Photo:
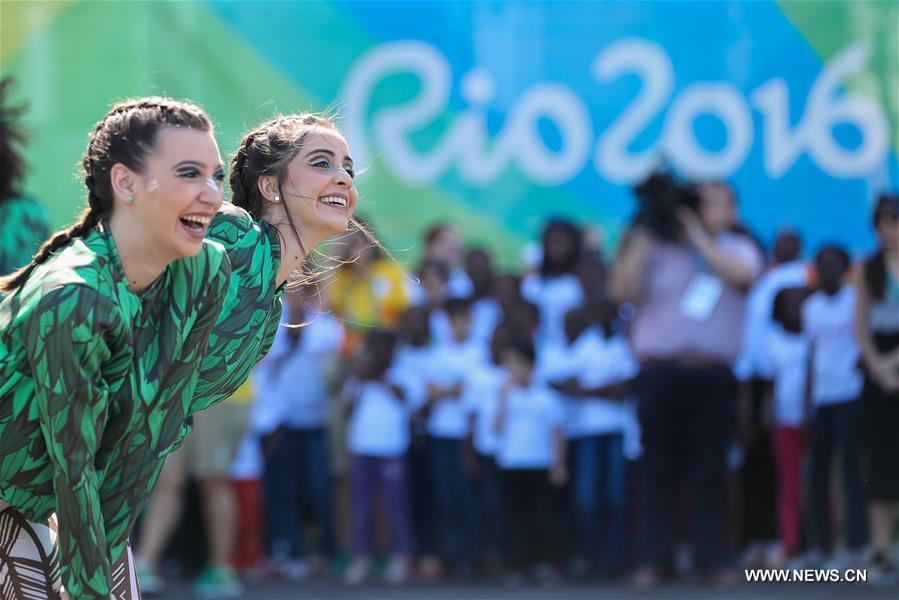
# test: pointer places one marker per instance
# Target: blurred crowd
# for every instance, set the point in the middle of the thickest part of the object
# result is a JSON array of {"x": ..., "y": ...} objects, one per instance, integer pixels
[{"x": 695, "y": 404}]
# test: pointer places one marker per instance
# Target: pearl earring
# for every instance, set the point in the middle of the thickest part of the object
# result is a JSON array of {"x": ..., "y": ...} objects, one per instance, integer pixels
[
  {"x": 277, "y": 198},
  {"x": 130, "y": 198}
]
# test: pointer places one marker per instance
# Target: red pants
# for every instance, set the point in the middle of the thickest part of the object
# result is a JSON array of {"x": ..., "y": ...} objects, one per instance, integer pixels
[{"x": 789, "y": 446}]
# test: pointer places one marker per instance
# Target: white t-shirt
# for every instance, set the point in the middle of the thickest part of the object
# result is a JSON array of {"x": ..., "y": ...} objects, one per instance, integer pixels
[
  {"x": 554, "y": 296},
  {"x": 828, "y": 323},
  {"x": 439, "y": 326},
  {"x": 485, "y": 315},
  {"x": 290, "y": 384},
  {"x": 482, "y": 400},
  {"x": 788, "y": 355},
  {"x": 602, "y": 362},
  {"x": 759, "y": 318},
  {"x": 379, "y": 424},
  {"x": 595, "y": 362},
  {"x": 527, "y": 441},
  {"x": 452, "y": 363},
  {"x": 409, "y": 369}
]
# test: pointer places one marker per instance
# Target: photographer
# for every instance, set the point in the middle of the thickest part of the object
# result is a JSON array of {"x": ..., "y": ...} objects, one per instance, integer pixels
[{"x": 687, "y": 272}]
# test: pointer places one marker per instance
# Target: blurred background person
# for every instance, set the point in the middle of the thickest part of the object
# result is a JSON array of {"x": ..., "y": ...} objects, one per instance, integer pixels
[
  {"x": 687, "y": 274},
  {"x": 378, "y": 437},
  {"x": 24, "y": 224},
  {"x": 443, "y": 243},
  {"x": 532, "y": 461},
  {"x": 291, "y": 419},
  {"x": 555, "y": 288},
  {"x": 877, "y": 330},
  {"x": 828, "y": 318},
  {"x": 787, "y": 348}
]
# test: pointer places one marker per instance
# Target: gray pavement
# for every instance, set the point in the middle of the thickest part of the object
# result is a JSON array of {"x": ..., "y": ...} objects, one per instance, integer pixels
[{"x": 282, "y": 590}]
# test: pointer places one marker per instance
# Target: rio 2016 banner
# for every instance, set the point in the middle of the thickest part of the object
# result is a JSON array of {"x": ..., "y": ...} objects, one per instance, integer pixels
[{"x": 500, "y": 114}]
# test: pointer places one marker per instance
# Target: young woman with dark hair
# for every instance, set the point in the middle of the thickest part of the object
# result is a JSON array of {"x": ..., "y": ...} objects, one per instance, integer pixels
[
  {"x": 292, "y": 188},
  {"x": 877, "y": 330},
  {"x": 292, "y": 184},
  {"x": 100, "y": 341}
]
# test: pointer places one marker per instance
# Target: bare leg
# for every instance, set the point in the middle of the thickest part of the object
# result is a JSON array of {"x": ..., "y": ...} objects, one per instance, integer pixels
[
  {"x": 883, "y": 517},
  {"x": 220, "y": 512}
]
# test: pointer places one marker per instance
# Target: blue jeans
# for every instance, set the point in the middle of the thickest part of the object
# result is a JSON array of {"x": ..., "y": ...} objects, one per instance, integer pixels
[
  {"x": 297, "y": 477},
  {"x": 600, "y": 498},
  {"x": 838, "y": 426},
  {"x": 456, "y": 509},
  {"x": 487, "y": 498}
]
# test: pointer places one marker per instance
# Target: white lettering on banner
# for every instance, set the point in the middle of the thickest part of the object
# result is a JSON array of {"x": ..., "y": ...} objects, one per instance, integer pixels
[
  {"x": 652, "y": 66},
  {"x": 467, "y": 145}
]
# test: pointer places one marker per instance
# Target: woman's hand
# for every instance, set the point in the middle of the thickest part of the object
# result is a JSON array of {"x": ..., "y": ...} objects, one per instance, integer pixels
[
  {"x": 885, "y": 372},
  {"x": 694, "y": 229}
]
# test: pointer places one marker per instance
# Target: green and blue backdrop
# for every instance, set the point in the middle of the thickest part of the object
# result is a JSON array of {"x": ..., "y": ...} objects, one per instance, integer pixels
[{"x": 499, "y": 114}]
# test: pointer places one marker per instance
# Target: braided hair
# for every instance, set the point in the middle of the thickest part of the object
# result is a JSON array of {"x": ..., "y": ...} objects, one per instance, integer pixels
[
  {"x": 127, "y": 134},
  {"x": 266, "y": 151}
]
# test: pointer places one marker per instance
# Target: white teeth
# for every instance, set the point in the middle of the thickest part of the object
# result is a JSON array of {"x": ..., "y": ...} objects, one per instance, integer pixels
[
  {"x": 334, "y": 201},
  {"x": 197, "y": 220}
]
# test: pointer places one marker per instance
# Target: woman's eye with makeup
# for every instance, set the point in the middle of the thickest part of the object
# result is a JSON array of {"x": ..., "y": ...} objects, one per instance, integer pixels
[
  {"x": 350, "y": 171},
  {"x": 219, "y": 176},
  {"x": 321, "y": 163},
  {"x": 188, "y": 173}
]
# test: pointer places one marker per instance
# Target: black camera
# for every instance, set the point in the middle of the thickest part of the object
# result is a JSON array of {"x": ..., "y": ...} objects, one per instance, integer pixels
[{"x": 661, "y": 194}]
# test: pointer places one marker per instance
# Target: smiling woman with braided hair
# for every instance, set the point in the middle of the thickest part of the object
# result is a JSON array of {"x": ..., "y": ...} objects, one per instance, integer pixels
[
  {"x": 100, "y": 341},
  {"x": 292, "y": 185},
  {"x": 292, "y": 188}
]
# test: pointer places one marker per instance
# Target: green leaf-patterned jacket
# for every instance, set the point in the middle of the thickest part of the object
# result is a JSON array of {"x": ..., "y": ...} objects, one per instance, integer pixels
[
  {"x": 251, "y": 313},
  {"x": 95, "y": 385}
]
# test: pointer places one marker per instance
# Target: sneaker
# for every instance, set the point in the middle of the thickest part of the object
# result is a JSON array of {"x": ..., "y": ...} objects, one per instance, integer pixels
[
  {"x": 813, "y": 559},
  {"x": 515, "y": 579},
  {"x": 841, "y": 561},
  {"x": 397, "y": 571},
  {"x": 358, "y": 572},
  {"x": 547, "y": 574},
  {"x": 430, "y": 569},
  {"x": 295, "y": 570},
  {"x": 882, "y": 572},
  {"x": 218, "y": 582},
  {"x": 150, "y": 583},
  {"x": 579, "y": 568},
  {"x": 646, "y": 579}
]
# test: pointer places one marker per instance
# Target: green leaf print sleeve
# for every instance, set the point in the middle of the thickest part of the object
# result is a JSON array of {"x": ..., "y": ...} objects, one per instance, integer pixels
[
  {"x": 252, "y": 309},
  {"x": 68, "y": 354}
]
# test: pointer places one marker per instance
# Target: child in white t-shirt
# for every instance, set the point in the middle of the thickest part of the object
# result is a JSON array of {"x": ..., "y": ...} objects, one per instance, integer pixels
[
  {"x": 593, "y": 371},
  {"x": 531, "y": 456},
  {"x": 481, "y": 396},
  {"x": 410, "y": 366},
  {"x": 451, "y": 364},
  {"x": 378, "y": 438},
  {"x": 836, "y": 385},
  {"x": 787, "y": 354},
  {"x": 290, "y": 416}
]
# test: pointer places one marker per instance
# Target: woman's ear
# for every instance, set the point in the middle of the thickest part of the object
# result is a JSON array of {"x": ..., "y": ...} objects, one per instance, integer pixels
[
  {"x": 122, "y": 180},
  {"x": 268, "y": 187}
]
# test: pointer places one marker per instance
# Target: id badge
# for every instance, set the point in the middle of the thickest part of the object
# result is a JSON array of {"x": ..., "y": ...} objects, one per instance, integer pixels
[{"x": 701, "y": 297}]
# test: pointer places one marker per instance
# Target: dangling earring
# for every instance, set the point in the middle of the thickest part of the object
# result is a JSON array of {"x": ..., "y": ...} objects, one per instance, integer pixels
[{"x": 277, "y": 198}]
